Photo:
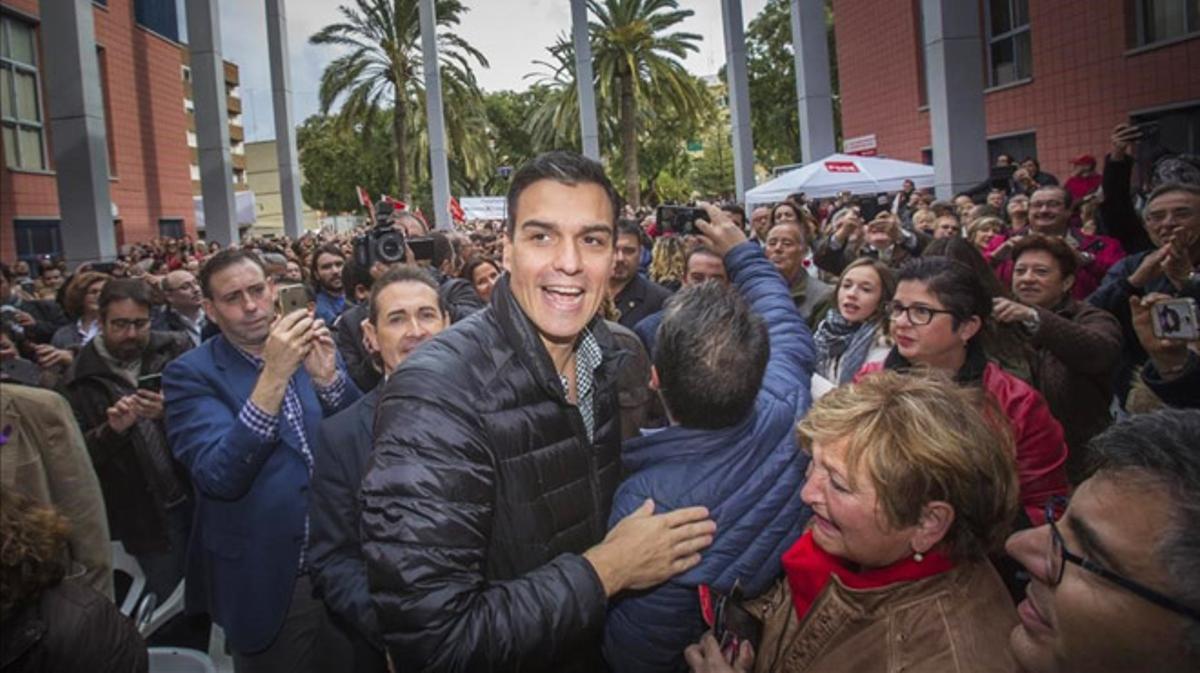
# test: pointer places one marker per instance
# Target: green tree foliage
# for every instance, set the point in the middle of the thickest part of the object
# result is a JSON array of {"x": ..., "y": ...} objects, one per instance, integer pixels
[
  {"x": 712, "y": 175},
  {"x": 382, "y": 69},
  {"x": 335, "y": 158},
  {"x": 774, "y": 117}
]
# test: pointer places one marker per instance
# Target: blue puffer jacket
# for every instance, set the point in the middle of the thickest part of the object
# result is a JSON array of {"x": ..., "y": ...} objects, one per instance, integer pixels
[{"x": 748, "y": 475}]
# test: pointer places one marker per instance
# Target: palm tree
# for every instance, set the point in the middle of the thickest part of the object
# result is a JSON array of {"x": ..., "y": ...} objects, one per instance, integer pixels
[
  {"x": 384, "y": 64},
  {"x": 635, "y": 58}
]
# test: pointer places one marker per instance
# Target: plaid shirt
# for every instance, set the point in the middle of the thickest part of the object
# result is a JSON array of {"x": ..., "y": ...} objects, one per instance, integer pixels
[
  {"x": 266, "y": 426},
  {"x": 587, "y": 359}
]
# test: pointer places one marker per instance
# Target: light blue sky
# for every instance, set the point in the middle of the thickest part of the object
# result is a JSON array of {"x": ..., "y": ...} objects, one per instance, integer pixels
[{"x": 510, "y": 33}]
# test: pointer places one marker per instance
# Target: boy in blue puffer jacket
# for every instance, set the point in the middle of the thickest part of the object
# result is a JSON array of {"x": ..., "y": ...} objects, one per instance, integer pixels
[{"x": 733, "y": 368}]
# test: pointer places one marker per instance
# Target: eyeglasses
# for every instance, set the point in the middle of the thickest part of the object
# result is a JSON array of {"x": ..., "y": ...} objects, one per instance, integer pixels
[
  {"x": 1053, "y": 203},
  {"x": 917, "y": 315},
  {"x": 1178, "y": 214},
  {"x": 1060, "y": 555},
  {"x": 122, "y": 324}
]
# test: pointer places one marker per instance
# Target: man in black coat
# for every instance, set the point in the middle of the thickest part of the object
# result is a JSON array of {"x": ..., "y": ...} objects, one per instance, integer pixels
[
  {"x": 146, "y": 493},
  {"x": 633, "y": 294},
  {"x": 404, "y": 311},
  {"x": 497, "y": 453}
]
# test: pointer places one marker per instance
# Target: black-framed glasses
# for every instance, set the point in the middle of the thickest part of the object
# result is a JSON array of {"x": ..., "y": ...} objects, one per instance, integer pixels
[
  {"x": 917, "y": 315},
  {"x": 1060, "y": 556}
]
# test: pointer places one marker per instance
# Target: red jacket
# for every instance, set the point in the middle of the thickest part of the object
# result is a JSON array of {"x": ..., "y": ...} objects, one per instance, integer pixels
[
  {"x": 1041, "y": 449},
  {"x": 1105, "y": 251}
]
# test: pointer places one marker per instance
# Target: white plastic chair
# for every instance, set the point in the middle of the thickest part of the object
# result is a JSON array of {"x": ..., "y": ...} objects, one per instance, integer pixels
[
  {"x": 124, "y": 562},
  {"x": 142, "y": 606}
]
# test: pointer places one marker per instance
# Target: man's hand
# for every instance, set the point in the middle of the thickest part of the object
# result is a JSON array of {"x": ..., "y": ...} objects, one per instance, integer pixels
[
  {"x": 147, "y": 404},
  {"x": 49, "y": 357},
  {"x": 1150, "y": 268},
  {"x": 321, "y": 362},
  {"x": 1004, "y": 250},
  {"x": 645, "y": 549},
  {"x": 288, "y": 344},
  {"x": 24, "y": 319},
  {"x": 1177, "y": 264},
  {"x": 848, "y": 226},
  {"x": 122, "y": 415},
  {"x": 720, "y": 230},
  {"x": 706, "y": 657},
  {"x": 1124, "y": 137},
  {"x": 1167, "y": 354},
  {"x": 1009, "y": 311}
]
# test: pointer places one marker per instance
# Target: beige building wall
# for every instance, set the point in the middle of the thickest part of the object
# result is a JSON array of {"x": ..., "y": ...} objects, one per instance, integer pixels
[{"x": 262, "y": 177}]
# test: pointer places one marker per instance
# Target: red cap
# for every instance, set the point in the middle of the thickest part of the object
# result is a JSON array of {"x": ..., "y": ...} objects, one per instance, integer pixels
[{"x": 1084, "y": 160}]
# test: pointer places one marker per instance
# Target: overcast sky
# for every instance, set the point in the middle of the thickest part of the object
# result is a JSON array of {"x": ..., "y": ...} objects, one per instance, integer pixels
[{"x": 510, "y": 33}]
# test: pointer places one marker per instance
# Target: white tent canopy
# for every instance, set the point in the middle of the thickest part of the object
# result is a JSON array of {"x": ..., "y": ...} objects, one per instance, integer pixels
[{"x": 843, "y": 172}]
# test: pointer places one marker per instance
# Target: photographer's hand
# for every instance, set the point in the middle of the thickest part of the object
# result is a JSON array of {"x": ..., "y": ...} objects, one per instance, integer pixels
[
  {"x": 1168, "y": 355},
  {"x": 1124, "y": 137},
  {"x": 720, "y": 230}
]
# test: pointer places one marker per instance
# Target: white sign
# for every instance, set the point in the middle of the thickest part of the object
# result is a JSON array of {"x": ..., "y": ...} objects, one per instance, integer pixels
[
  {"x": 860, "y": 145},
  {"x": 484, "y": 207}
]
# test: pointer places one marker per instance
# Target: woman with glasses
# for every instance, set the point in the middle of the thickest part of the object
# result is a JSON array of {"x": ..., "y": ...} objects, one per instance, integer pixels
[
  {"x": 854, "y": 332},
  {"x": 936, "y": 318},
  {"x": 910, "y": 490}
]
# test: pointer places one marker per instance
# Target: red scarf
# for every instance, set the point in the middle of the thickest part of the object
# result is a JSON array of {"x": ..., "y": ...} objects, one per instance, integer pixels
[{"x": 808, "y": 569}]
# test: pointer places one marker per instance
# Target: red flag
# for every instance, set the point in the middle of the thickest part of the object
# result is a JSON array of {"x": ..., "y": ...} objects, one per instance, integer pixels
[
  {"x": 396, "y": 203},
  {"x": 363, "y": 197},
  {"x": 421, "y": 216},
  {"x": 456, "y": 211}
]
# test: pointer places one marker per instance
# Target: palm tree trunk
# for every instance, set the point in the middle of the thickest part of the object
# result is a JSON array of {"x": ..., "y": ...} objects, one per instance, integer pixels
[
  {"x": 400, "y": 135},
  {"x": 633, "y": 194}
]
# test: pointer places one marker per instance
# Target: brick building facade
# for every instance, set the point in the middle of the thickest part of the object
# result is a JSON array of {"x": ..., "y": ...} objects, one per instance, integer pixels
[
  {"x": 1058, "y": 75},
  {"x": 145, "y": 117}
]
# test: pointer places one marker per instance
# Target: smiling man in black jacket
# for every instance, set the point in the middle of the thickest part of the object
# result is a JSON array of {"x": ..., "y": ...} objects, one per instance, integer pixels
[{"x": 497, "y": 450}]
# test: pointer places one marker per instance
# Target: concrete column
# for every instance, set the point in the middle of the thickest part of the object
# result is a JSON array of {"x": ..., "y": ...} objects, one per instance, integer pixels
[
  {"x": 438, "y": 168},
  {"x": 954, "y": 72},
  {"x": 285, "y": 130},
  {"x": 76, "y": 109},
  {"x": 739, "y": 97},
  {"x": 814, "y": 93},
  {"x": 212, "y": 121},
  {"x": 588, "y": 128}
]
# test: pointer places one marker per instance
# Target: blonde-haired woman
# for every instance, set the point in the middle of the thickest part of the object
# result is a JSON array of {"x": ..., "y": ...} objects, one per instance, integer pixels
[
  {"x": 911, "y": 487},
  {"x": 668, "y": 262}
]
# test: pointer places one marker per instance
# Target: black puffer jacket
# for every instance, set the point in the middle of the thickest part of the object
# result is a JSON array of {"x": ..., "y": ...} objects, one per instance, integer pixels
[{"x": 482, "y": 493}]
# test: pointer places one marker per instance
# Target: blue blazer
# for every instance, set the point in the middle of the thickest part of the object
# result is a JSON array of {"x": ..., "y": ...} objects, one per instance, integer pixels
[
  {"x": 749, "y": 476},
  {"x": 251, "y": 496}
]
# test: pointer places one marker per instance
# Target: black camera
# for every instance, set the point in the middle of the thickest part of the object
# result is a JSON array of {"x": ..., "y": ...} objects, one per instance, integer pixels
[
  {"x": 383, "y": 243},
  {"x": 679, "y": 220}
]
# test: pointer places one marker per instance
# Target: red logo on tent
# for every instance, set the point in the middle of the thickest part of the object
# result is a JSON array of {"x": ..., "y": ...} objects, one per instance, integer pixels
[{"x": 841, "y": 167}]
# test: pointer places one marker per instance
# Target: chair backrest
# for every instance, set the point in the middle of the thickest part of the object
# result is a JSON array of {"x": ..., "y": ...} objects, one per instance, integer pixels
[
  {"x": 124, "y": 562},
  {"x": 179, "y": 660}
]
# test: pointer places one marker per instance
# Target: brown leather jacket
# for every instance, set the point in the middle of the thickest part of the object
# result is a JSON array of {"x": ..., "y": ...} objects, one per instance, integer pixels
[{"x": 956, "y": 622}]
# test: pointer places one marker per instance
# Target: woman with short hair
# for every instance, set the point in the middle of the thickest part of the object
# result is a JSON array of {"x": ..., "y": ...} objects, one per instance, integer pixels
[{"x": 911, "y": 488}]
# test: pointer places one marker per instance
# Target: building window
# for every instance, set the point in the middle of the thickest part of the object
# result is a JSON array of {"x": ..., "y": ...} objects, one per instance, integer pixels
[
  {"x": 20, "y": 103},
  {"x": 1017, "y": 146},
  {"x": 1174, "y": 131},
  {"x": 170, "y": 228},
  {"x": 1162, "y": 20},
  {"x": 191, "y": 139},
  {"x": 1009, "y": 54},
  {"x": 102, "y": 62},
  {"x": 195, "y": 170},
  {"x": 188, "y": 105},
  {"x": 187, "y": 73},
  {"x": 37, "y": 237}
]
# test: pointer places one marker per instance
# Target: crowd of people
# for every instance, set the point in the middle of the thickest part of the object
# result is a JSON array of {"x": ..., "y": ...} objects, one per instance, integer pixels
[{"x": 870, "y": 432}]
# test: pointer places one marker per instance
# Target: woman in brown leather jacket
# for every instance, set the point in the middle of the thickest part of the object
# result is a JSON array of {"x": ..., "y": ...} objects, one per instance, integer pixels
[{"x": 910, "y": 489}]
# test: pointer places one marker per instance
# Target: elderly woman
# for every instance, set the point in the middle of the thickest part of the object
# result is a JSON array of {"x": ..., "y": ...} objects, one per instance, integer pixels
[
  {"x": 911, "y": 488},
  {"x": 855, "y": 331}
]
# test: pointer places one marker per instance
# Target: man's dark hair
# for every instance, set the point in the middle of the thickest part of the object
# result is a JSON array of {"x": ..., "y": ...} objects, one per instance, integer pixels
[
  {"x": 403, "y": 273},
  {"x": 1066, "y": 196},
  {"x": 1056, "y": 247},
  {"x": 1158, "y": 450},
  {"x": 954, "y": 284},
  {"x": 355, "y": 275},
  {"x": 326, "y": 249},
  {"x": 710, "y": 353},
  {"x": 628, "y": 227},
  {"x": 120, "y": 289},
  {"x": 443, "y": 249},
  {"x": 701, "y": 250},
  {"x": 567, "y": 168},
  {"x": 1169, "y": 187},
  {"x": 223, "y": 260},
  {"x": 1035, "y": 162},
  {"x": 942, "y": 208}
]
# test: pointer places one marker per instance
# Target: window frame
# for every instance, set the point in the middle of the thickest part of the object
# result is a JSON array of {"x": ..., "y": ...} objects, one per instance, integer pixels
[
  {"x": 7, "y": 20},
  {"x": 1139, "y": 26},
  {"x": 26, "y": 224},
  {"x": 1011, "y": 35}
]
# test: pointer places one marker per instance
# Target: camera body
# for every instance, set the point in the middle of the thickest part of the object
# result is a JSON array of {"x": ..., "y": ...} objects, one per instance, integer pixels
[
  {"x": 680, "y": 220},
  {"x": 383, "y": 243},
  {"x": 1175, "y": 319}
]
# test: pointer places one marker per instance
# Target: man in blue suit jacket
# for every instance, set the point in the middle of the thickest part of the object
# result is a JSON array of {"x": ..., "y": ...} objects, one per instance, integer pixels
[
  {"x": 734, "y": 375},
  {"x": 242, "y": 412},
  {"x": 405, "y": 310}
]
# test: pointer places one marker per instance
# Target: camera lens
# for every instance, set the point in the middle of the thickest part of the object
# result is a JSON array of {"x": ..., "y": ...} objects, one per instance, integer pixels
[{"x": 390, "y": 247}]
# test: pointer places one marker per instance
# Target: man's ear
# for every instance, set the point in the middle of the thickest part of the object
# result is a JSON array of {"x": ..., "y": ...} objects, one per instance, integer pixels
[
  {"x": 969, "y": 328},
  {"x": 370, "y": 337},
  {"x": 654, "y": 382},
  {"x": 1068, "y": 283},
  {"x": 209, "y": 310}
]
